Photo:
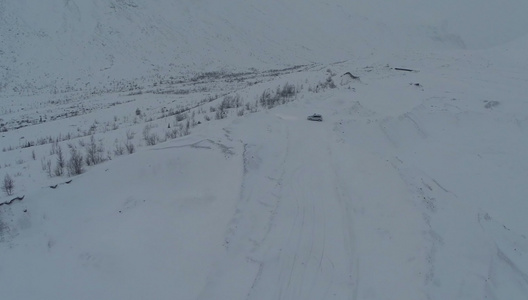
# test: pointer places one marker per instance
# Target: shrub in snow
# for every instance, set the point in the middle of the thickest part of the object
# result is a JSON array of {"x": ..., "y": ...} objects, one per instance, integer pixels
[
  {"x": 187, "y": 130},
  {"x": 94, "y": 152},
  {"x": 287, "y": 91},
  {"x": 119, "y": 148},
  {"x": 180, "y": 117},
  {"x": 321, "y": 86},
  {"x": 231, "y": 101},
  {"x": 220, "y": 114},
  {"x": 150, "y": 138},
  {"x": 75, "y": 165},
  {"x": 130, "y": 135},
  {"x": 270, "y": 99},
  {"x": 54, "y": 146},
  {"x": 171, "y": 133},
  {"x": 59, "y": 168},
  {"x": 130, "y": 147},
  {"x": 48, "y": 168}
]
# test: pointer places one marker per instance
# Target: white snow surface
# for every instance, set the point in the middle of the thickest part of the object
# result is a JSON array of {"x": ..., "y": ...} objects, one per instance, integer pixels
[{"x": 414, "y": 185}]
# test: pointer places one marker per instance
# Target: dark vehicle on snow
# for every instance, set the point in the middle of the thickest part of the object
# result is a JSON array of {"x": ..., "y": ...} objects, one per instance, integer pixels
[{"x": 315, "y": 117}]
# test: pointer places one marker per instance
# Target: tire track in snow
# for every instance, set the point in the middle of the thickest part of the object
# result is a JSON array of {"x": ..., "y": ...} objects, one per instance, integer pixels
[
  {"x": 291, "y": 236},
  {"x": 349, "y": 240},
  {"x": 309, "y": 202}
]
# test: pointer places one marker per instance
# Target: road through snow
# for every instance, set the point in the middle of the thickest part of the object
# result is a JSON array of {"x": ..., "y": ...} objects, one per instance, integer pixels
[
  {"x": 306, "y": 218},
  {"x": 309, "y": 246}
]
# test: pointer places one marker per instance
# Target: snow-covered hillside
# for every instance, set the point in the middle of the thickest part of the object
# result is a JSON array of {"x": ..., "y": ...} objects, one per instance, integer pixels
[
  {"x": 203, "y": 179},
  {"x": 55, "y": 45}
]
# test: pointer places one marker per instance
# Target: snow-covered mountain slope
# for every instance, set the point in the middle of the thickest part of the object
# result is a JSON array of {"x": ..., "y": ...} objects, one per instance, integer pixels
[
  {"x": 57, "y": 44},
  {"x": 412, "y": 187}
]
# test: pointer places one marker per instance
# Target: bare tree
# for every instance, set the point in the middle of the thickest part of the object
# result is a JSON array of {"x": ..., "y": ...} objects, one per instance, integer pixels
[
  {"x": 59, "y": 168},
  {"x": 129, "y": 145},
  {"x": 9, "y": 185},
  {"x": 48, "y": 168}
]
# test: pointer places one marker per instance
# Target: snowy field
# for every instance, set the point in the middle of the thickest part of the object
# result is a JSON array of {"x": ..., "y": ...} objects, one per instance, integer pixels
[{"x": 212, "y": 184}]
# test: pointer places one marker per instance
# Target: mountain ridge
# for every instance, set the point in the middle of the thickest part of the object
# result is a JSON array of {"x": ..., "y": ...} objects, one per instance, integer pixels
[{"x": 79, "y": 42}]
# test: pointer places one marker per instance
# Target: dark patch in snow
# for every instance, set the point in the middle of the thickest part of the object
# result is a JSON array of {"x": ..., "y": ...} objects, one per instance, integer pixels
[
  {"x": 12, "y": 200},
  {"x": 491, "y": 104}
]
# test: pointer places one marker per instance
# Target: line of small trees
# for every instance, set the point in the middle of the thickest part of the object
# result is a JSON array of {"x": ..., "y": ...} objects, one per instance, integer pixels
[
  {"x": 94, "y": 151},
  {"x": 267, "y": 100},
  {"x": 74, "y": 165},
  {"x": 281, "y": 95}
]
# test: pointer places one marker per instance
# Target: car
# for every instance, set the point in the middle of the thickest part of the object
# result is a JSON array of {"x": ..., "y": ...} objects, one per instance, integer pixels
[{"x": 315, "y": 117}]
